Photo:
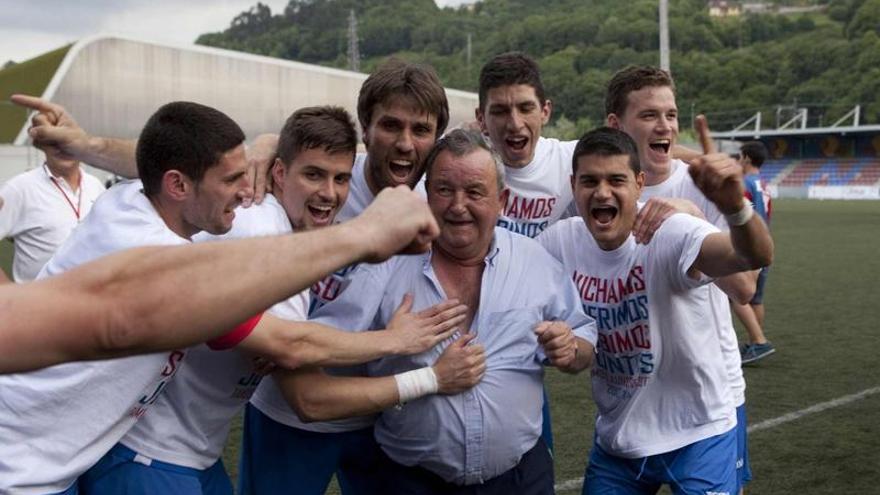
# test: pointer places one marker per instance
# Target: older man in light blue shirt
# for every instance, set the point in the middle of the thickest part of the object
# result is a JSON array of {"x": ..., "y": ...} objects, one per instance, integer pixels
[{"x": 522, "y": 310}]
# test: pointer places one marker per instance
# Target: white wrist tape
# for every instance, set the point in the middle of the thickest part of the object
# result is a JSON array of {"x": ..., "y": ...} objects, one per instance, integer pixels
[
  {"x": 741, "y": 217},
  {"x": 416, "y": 383}
]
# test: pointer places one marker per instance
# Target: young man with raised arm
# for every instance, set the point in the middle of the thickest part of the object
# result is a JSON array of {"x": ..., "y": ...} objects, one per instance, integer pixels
[
  {"x": 666, "y": 414},
  {"x": 178, "y": 445},
  {"x": 57, "y": 422},
  {"x": 640, "y": 100}
]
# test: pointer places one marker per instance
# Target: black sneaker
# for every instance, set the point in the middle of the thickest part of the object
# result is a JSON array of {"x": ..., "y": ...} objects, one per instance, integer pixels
[{"x": 754, "y": 352}]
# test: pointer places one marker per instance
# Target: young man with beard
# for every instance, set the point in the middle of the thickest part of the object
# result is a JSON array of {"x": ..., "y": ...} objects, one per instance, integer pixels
[
  {"x": 665, "y": 411},
  {"x": 402, "y": 109},
  {"x": 39, "y": 209},
  {"x": 641, "y": 102},
  {"x": 176, "y": 448},
  {"x": 58, "y": 421},
  {"x": 485, "y": 439}
]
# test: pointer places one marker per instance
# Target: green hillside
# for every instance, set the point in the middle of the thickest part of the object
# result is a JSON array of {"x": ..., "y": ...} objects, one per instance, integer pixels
[
  {"x": 30, "y": 77},
  {"x": 728, "y": 67}
]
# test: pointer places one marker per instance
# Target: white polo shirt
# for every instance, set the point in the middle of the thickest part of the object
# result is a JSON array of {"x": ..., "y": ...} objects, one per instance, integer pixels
[
  {"x": 39, "y": 211},
  {"x": 55, "y": 423}
]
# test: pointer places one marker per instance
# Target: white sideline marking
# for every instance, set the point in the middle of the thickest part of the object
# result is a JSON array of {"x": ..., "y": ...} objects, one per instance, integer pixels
[
  {"x": 576, "y": 484},
  {"x": 816, "y": 408}
]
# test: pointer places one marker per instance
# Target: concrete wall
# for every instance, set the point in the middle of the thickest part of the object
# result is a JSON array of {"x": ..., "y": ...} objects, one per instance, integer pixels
[{"x": 112, "y": 85}]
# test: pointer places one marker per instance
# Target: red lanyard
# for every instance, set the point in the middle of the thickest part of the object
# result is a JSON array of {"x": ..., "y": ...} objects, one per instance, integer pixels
[{"x": 76, "y": 209}]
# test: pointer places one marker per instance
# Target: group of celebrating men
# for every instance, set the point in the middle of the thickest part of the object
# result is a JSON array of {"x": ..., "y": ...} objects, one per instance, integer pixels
[{"x": 415, "y": 373}]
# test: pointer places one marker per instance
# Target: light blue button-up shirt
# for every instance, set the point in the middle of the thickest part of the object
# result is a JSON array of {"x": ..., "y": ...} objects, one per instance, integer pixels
[{"x": 474, "y": 436}]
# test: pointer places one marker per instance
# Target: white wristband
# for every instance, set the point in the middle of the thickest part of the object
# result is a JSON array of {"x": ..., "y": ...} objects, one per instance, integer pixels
[
  {"x": 741, "y": 217},
  {"x": 416, "y": 383}
]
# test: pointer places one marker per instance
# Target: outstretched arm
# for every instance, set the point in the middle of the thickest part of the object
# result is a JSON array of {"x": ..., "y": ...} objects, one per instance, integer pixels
[
  {"x": 52, "y": 127},
  {"x": 292, "y": 344},
  {"x": 316, "y": 396},
  {"x": 152, "y": 299},
  {"x": 748, "y": 245}
]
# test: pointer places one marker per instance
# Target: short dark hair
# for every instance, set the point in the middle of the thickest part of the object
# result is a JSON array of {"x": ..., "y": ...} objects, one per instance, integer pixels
[
  {"x": 509, "y": 69},
  {"x": 633, "y": 78},
  {"x": 397, "y": 79},
  {"x": 461, "y": 142},
  {"x": 183, "y": 136},
  {"x": 606, "y": 141},
  {"x": 327, "y": 127},
  {"x": 756, "y": 152}
]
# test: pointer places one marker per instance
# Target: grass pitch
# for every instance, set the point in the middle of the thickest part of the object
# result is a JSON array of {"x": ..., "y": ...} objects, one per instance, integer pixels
[{"x": 822, "y": 315}]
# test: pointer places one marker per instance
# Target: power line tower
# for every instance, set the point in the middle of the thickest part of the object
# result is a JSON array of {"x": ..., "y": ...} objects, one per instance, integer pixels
[{"x": 354, "y": 55}]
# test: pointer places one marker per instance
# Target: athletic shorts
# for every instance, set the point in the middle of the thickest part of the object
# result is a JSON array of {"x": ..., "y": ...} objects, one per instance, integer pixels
[
  {"x": 546, "y": 423},
  {"x": 73, "y": 490},
  {"x": 123, "y": 471},
  {"x": 743, "y": 469},
  {"x": 758, "y": 298},
  {"x": 704, "y": 467},
  {"x": 276, "y": 458}
]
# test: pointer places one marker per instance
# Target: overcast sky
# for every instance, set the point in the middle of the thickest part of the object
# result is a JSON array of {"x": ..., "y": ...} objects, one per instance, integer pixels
[{"x": 31, "y": 27}]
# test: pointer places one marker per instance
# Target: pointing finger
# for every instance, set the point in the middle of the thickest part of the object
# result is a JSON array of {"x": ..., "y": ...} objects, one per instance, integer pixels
[{"x": 702, "y": 127}]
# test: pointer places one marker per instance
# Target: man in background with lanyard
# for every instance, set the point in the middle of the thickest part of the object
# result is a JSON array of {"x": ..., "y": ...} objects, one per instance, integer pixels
[{"x": 39, "y": 209}]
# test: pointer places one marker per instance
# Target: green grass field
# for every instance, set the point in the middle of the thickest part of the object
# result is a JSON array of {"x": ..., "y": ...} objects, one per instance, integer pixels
[{"x": 822, "y": 315}]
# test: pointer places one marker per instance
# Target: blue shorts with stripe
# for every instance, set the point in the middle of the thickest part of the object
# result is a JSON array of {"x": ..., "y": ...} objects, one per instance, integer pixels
[
  {"x": 704, "y": 467},
  {"x": 743, "y": 469},
  {"x": 123, "y": 471}
]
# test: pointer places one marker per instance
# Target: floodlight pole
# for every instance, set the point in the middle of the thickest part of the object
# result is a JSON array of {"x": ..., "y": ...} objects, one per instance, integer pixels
[{"x": 664, "y": 35}]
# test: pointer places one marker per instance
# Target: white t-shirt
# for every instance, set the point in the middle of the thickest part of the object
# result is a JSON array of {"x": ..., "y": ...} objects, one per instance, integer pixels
[
  {"x": 658, "y": 378},
  {"x": 55, "y": 423},
  {"x": 540, "y": 192},
  {"x": 680, "y": 185},
  {"x": 268, "y": 398},
  {"x": 189, "y": 423},
  {"x": 39, "y": 211}
]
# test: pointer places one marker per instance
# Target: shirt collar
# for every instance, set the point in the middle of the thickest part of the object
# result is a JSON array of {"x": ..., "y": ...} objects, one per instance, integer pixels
[
  {"x": 489, "y": 259},
  {"x": 50, "y": 175}
]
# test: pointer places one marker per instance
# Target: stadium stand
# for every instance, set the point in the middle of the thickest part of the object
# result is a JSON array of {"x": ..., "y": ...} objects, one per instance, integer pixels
[{"x": 863, "y": 171}]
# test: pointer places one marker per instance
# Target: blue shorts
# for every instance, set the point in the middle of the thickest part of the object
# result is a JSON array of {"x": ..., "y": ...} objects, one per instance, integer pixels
[
  {"x": 276, "y": 458},
  {"x": 73, "y": 490},
  {"x": 707, "y": 466},
  {"x": 743, "y": 469},
  {"x": 758, "y": 298},
  {"x": 118, "y": 473},
  {"x": 546, "y": 423}
]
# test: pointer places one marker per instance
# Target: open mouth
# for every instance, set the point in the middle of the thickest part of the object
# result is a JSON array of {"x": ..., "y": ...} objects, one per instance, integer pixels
[
  {"x": 661, "y": 146},
  {"x": 517, "y": 143},
  {"x": 400, "y": 169},
  {"x": 603, "y": 215},
  {"x": 321, "y": 212}
]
